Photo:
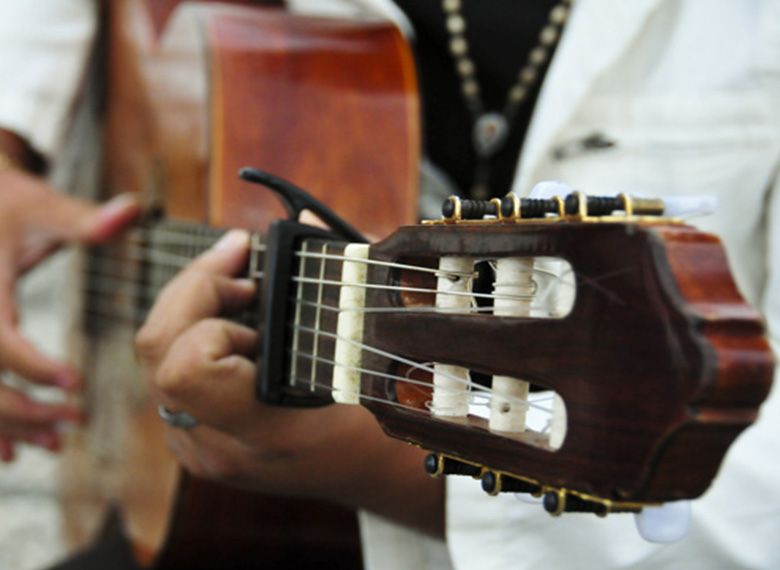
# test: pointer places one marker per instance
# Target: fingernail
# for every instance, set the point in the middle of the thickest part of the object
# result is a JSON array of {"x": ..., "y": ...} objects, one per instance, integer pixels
[
  {"x": 233, "y": 239},
  {"x": 118, "y": 203},
  {"x": 247, "y": 283}
]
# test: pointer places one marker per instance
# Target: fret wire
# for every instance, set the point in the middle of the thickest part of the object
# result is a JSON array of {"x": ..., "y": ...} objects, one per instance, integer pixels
[
  {"x": 254, "y": 259},
  {"x": 297, "y": 317},
  {"x": 318, "y": 312}
]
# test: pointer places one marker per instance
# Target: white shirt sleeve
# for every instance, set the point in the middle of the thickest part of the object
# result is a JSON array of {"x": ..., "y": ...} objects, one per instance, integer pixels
[{"x": 44, "y": 46}]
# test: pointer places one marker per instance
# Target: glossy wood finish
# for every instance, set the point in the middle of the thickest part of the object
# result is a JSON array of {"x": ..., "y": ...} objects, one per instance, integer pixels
[
  {"x": 191, "y": 97},
  {"x": 327, "y": 104},
  {"x": 661, "y": 363}
]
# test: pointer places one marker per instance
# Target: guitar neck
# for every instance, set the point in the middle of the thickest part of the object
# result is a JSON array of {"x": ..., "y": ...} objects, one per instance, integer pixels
[{"x": 125, "y": 277}]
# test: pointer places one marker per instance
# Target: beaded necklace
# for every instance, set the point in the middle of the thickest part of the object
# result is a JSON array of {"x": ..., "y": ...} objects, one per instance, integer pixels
[{"x": 490, "y": 129}]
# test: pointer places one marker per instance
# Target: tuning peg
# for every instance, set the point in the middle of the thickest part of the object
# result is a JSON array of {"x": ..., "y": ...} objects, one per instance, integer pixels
[
  {"x": 436, "y": 464},
  {"x": 494, "y": 483},
  {"x": 508, "y": 208},
  {"x": 578, "y": 203},
  {"x": 455, "y": 208},
  {"x": 558, "y": 502}
]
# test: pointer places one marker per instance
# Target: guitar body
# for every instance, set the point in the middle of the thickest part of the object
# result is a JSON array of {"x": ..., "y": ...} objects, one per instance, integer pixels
[{"x": 195, "y": 91}]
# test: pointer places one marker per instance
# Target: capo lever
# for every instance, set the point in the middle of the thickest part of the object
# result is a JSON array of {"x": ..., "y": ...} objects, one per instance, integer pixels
[{"x": 296, "y": 200}]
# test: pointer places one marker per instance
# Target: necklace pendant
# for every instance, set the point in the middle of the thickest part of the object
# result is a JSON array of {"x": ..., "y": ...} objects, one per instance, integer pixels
[{"x": 490, "y": 133}]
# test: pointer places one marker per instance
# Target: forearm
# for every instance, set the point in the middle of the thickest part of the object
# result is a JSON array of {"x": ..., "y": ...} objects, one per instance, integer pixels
[
  {"x": 338, "y": 454},
  {"x": 374, "y": 472}
]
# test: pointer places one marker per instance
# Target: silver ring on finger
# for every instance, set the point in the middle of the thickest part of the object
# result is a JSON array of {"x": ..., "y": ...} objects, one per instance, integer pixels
[{"x": 181, "y": 420}]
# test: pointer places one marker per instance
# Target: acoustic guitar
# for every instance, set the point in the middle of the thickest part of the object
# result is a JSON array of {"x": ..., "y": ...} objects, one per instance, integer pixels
[
  {"x": 193, "y": 91},
  {"x": 649, "y": 360}
]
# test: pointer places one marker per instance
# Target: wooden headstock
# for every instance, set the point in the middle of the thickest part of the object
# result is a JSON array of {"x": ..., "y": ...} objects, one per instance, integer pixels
[{"x": 660, "y": 362}]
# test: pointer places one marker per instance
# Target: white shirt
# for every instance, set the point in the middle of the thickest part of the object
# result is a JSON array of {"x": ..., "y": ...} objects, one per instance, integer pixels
[
  {"x": 689, "y": 91},
  {"x": 44, "y": 45}
]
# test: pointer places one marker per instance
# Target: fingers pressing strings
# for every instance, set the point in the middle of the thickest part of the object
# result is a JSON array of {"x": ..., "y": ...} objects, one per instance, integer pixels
[{"x": 209, "y": 372}]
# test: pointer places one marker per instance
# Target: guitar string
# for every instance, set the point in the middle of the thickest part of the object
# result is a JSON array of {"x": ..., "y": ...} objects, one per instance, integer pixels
[
  {"x": 414, "y": 309},
  {"x": 405, "y": 289},
  {"x": 111, "y": 283},
  {"x": 125, "y": 294},
  {"x": 362, "y": 396},
  {"x": 478, "y": 389},
  {"x": 108, "y": 314},
  {"x": 171, "y": 262},
  {"x": 395, "y": 358},
  {"x": 144, "y": 254},
  {"x": 186, "y": 235},
  {"x": 182, "y": 261},
  {"x": 174, "y": 260},
  {"x": 179, "y": 262},
  {"x": 391, "y": 264}
]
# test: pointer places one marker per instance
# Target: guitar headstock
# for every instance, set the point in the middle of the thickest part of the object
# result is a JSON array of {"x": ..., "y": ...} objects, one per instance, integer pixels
[
  {"x": 604, "y": 361},
  {"x": 649, "y": 361}
]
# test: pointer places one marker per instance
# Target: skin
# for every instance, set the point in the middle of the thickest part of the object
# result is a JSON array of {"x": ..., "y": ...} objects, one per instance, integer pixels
[
  {"x": 196, "y": 361},
  {"x": 36, "y": 220}
]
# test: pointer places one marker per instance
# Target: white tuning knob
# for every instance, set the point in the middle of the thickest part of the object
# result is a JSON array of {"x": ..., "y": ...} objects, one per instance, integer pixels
[
  {"x": 690, "y": 206},
  {"x": 664, "y": 524}
]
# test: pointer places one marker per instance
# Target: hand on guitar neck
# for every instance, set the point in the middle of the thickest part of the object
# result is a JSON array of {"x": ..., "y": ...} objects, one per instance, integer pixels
[
  {"x": 35, "y": 220},
  {"x": 204, "y": 365}
]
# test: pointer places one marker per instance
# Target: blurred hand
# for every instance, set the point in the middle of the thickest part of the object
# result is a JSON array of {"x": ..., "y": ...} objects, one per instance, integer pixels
[
  {"x": 36, "y": 220},
  {"x": 204, "y": 365}
]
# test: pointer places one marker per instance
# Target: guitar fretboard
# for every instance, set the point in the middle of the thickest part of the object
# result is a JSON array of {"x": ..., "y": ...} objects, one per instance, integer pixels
[
  {"x": 312, "y": 334},
  {"x": 125, "y": 277}
]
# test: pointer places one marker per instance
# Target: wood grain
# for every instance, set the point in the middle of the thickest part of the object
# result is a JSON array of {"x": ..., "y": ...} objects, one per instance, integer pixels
[{"x": 661, "y": 363}]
